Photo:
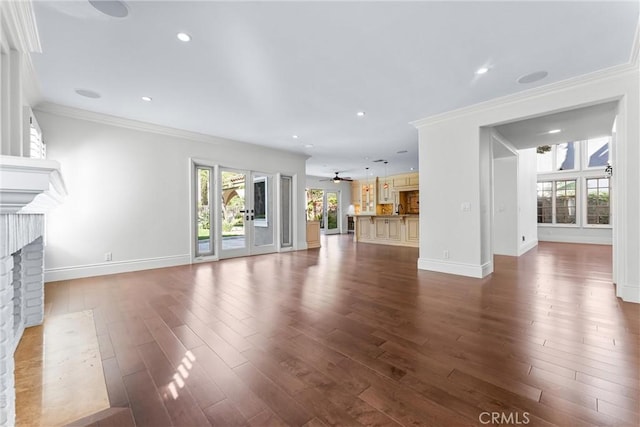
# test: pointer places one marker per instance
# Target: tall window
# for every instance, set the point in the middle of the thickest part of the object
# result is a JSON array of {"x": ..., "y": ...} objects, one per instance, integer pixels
[
  {"x": 204, "y": 220},
  {"x": 566, "y": 202},
  {"x": 545, "y": 202},
  {"x": 598, "y": 201},
  {"x": 286, "y": 207}
]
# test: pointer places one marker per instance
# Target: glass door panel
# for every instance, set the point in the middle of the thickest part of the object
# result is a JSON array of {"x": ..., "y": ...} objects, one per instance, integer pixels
[
  {"x": 315, "y": 206},
  {"x": 204, "y": 219},
  {"x": 332, "y": 212},
  {"x": 234, "y": 216},
  {"x": 262, "y": 213}
]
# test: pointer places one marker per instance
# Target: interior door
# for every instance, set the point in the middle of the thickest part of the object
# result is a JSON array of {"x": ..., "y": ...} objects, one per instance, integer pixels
[{"x": 247, "y": 219}]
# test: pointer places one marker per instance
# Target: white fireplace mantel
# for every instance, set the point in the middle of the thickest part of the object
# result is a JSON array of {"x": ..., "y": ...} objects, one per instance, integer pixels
[
  {"x": 29, "y": 188},
  {"x": 29, "y": 185}
]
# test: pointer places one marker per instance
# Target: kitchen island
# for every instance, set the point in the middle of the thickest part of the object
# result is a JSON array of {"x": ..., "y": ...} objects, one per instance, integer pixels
[{"x": 398, "y": 230}]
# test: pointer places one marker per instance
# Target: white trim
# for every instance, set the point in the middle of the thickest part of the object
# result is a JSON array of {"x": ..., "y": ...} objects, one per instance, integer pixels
[
  {"x": 101, "y": 269},
  {"x": 21, "y": 22},
  {"x": 23, "y": 178},
  {"x": 526, "y": 247},
  {"x": 65, "y": 111},
  {"x": 563, "y": 238},
  {"x": 629, "y": 293},
  {"x": 526, "y": 95},
  {"x": 469, "y": 270}
]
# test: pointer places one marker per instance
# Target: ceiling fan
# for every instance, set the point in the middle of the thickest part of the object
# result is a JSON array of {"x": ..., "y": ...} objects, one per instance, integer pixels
[{"x": 337, "y": 178}]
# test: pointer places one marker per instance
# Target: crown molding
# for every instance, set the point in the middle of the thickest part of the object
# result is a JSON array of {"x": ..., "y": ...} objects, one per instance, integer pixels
[
  {"x": 633, "y": 58},
  {"x": 604, "y": 74},
  {"x": 92, "y": 116},
  {"x": 21, "y": 25}
]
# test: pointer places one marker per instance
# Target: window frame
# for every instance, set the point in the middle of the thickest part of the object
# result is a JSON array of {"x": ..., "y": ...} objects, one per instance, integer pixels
[
  {"x": 585, "y": 155},
  {"x": 585, "y": 196}
]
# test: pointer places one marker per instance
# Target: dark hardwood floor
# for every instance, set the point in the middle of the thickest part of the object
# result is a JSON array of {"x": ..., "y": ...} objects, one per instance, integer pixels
[{"x": 353, "y": 334}]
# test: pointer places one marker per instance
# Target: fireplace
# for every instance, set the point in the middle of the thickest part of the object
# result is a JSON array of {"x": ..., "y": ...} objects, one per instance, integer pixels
[{"x": 28, "y": 189}]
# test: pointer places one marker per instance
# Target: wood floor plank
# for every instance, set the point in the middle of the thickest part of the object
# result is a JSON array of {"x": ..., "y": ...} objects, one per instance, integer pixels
[
  {"x": 277, "y": 400},
  {"x": 146, "y": 404},
  {"x": 354, "y": 334}
]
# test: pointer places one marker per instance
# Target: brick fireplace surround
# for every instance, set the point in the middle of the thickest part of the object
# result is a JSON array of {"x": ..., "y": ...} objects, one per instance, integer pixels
[{"x": 28, "y": 189}]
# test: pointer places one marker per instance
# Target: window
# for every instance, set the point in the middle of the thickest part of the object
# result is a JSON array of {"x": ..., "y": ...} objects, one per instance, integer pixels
[
  {"x": 204, "y": 220},
  {"x": 598, "y": 201},
  {"x": 286, "y": 207},
  {"x": 560, "y": 157},
  {"x": 572, "y": 189},
  {"x": 545, "y": 202},
  {"x": 597, "y": 151},
  {"x": 565, "y": 156},
  {"x": 565, "y": 202},
  {"x": 37, "y": 147}
]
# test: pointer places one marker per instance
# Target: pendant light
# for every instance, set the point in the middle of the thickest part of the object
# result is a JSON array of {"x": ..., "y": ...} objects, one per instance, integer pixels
[{"x": 386, "y": 184}]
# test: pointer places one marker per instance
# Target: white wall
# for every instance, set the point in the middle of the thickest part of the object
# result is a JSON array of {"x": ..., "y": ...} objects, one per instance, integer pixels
[
  {"x": 129, "y": 187},
  {"x": 505, "y": 206},
  {"x": 450, "y": 161},
  {"x": 527, "y": 200},
  {"x": 345, "y": 195}
]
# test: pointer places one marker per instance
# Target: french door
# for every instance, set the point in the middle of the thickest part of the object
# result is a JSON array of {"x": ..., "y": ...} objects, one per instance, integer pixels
[
  {"x": 247, "y": 221},
  {"x": 323, "y": 206}
]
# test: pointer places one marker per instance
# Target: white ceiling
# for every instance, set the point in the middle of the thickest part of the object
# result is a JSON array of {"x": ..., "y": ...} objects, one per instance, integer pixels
[
  {"x": 574, "y": 125},
  {"x": 261, "y": 72}
]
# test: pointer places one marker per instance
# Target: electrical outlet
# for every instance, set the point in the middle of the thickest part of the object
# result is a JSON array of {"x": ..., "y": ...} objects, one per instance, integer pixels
[
  {"x": 107, "y": 256},
  {"x": 523, "y": 238},
  {"x": 445, "y": 254}
]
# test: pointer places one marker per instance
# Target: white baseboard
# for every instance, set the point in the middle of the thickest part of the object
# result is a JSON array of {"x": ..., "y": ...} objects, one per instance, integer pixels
[
  {"x": 523, "y": 249},
  {"x": 628, "y": 293},
  {"x": 90, "y": 270},
  {"x": 469, "y": 270},
  {"x": 592, "y": 240}
]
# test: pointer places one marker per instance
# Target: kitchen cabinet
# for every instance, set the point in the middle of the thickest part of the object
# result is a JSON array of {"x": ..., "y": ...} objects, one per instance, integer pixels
[
  {"x": 368, "y": 200},
  {"x": 412, "y": 230},
  {"x": 363, "y": 228},
  {"x": 385, "y": 195},
  {"x": 355, "y": 193},
  {"x": 397, "y": 230},
  {"x": 407, "y": 181},
  {"x": 388, "y": 228}
]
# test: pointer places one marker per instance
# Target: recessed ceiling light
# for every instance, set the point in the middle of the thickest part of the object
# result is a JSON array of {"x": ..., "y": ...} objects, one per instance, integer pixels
[
  {"x": 482, "y": 70},
  {"x": 308, "y": 146},
  {"x": 147, "y": 98},
  {"x": 183, "y": 37},
  {"x": 532, "y": 77},
  {"x": 295, "y": 136},
  {"x": 113, "y": 8},
  {"x": 88, "y": 93},
  {"x": 360, "y": 113},
  {"x": 555, "y": 131}
]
